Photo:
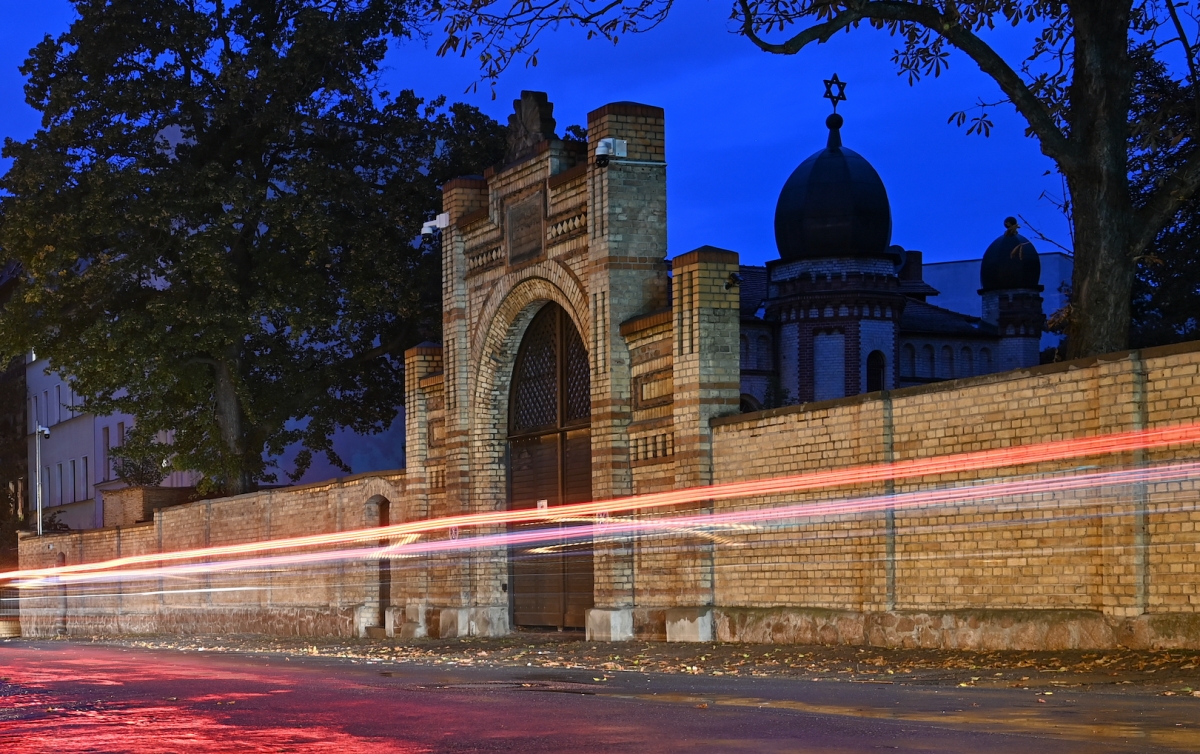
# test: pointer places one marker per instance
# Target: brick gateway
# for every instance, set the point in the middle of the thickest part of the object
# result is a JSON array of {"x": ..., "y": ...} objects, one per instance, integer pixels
[{"x": 552, "y": 235}]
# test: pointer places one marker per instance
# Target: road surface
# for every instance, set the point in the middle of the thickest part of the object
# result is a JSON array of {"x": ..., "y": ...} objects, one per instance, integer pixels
[{"x": 65, "y": 697}]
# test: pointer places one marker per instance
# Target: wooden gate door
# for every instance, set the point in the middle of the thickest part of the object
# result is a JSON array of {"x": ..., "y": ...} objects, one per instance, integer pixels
[{"x": 550, "y": 464}]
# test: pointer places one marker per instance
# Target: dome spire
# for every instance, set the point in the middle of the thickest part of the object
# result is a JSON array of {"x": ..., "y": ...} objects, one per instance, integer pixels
[
  {"x": 834, "y": 124},
  {"x": 835, "y": 92},
  {"x": 834, "y": 205}
]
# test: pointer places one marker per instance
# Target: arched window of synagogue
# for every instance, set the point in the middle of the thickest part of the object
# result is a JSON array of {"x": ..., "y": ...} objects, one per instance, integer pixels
[
  {"x": 947, "y": 365},
  {"x": 744, "y": 344},
  {"x": 966, "y": 364},
  {"x": 908, "y": 360},
  {"x": 926, "y": 366},
  {"x": 876, "y": 372},
  {"x": 749, "y": 403},
  {"x": 829, "y": 366}
]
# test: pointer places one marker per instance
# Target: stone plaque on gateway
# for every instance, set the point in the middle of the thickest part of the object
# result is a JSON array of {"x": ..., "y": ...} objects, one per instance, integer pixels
[{"x": 525, "y": 229}]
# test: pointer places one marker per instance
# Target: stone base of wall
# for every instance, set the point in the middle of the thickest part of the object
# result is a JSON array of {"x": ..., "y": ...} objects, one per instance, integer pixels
[
  {"x": 182, "y": 621},
  {"x": 971, "y": 630},
  {"x": 974, "y": 630}
]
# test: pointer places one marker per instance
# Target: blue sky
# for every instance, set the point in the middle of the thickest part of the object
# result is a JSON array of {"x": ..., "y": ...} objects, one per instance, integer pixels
[{"x": 738, "y": 122}]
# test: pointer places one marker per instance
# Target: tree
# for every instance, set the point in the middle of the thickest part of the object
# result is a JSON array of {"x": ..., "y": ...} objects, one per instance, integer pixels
[
  {"x": 14, "y": 423},
  {"x": 1073, "y": 88},
  {"x": 217, "y": 222},
  {"x": 1166, "y": 290},
  {"x": 13, "y": 453}
]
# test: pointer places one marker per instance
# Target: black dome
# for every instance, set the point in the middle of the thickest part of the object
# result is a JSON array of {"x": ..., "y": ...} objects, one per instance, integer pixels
[
  {"x": 833, "y": 205},
  {"x": 1010, "y": 262}
]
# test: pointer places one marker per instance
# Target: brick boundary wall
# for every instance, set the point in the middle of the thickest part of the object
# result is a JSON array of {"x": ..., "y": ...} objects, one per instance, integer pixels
[
  {"x": 1099, "y": 568},
  {"x": 1103, "y": 568},
  {"x": 333, "y": 600}
]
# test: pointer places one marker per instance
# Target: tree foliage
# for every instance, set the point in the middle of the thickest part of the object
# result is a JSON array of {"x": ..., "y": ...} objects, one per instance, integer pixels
[
  {"x": 1166, "y": 291},
  {"x": 216, "y": 221},
  {"x": 1073, "y": 86},
  {"x": 141, "y": 461},
  {"x": 13, "y": 451}
]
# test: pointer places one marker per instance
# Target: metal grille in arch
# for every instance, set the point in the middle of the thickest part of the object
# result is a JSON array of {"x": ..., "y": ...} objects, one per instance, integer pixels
[{"x": 551, "y": 355}]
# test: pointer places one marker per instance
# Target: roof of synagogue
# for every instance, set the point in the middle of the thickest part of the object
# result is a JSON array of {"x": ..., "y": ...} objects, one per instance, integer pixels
[
  {"x": 833, "y": 205},
  {"x": 1010, "y": 262},
  {"x": 920, "y": 317}
]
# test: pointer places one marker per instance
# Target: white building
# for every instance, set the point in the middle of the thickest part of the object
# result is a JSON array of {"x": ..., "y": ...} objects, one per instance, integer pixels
[{"x": 77, "y": 455}]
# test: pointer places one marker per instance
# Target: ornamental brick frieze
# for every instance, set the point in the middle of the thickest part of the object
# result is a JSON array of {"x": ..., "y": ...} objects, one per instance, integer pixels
[
  {"x": 567, "y": 225},
  {"x": 485, "y": 259},
  {"x": 653, "y": 389},
  {"x": 846, "y": 283},
  {"x": 651, "y": 448}
]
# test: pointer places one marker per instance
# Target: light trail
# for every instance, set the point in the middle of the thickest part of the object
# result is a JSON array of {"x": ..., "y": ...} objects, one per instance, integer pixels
[
  {"x": 685, "y": 525},
  {"x": 973, "y": 461}
]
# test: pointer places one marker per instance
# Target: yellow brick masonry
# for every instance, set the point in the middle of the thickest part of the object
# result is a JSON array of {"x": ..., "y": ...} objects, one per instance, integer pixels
[
  {"x": 300, "y": 601},
  {"x": 1060, "y": 552},
  {"x": 1087, "y": 569}
]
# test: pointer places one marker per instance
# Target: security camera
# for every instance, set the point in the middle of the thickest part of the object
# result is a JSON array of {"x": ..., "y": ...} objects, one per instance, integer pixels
[
  {"x": 607, "y": 149},
  {"x": 438, "y": 223},
  {"x": 43, "y": 431},
  {"x": 734, "y": 279}
]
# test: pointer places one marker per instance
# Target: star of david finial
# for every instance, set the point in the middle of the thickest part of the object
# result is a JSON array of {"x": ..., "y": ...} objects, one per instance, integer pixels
[{"x": 835, "y": 91}]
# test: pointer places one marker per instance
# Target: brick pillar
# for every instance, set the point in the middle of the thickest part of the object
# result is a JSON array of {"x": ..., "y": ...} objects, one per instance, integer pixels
[
  {"x": 460, "y": 606},
  {"x": 627, "y": 248},
  {"x": 461, "y": 198},
  {"x": 706, "y": 370},
  {"x": 419, "y": 362},
  {"x": 707, "y": 384}
]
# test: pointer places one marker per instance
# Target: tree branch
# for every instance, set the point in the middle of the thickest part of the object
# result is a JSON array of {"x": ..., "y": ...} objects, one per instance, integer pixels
[
  {"x": 1054, "y": 143},
  {"x": 1165, "y": 202},
  {"x": 1193, "y": 77}
]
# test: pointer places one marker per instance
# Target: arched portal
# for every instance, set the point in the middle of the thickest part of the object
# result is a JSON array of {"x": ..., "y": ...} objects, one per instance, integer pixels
[{"x": 550, "y": 464}]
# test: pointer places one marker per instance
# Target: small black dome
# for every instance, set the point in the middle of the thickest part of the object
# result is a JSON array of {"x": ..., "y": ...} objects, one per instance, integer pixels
[
  {"x": 1010, "y": 262},
  {"x": 833, "y": 205}
]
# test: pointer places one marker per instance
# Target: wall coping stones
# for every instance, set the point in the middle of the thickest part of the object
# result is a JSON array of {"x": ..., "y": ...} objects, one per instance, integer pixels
[
  {"x": 957, "y": 384},
  {"x": 645, "y": 321},
  {"x": 627, "y": 108},
  {"x": 705, "y": 254}
]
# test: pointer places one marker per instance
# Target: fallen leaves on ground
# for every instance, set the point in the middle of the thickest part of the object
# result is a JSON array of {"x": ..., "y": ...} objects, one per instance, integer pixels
[{"x": 1156, "y": 671}]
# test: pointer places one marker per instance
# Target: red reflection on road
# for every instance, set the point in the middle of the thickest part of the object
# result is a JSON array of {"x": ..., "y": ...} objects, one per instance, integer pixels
[
  {"x": 103, "y": 700},
  {"x": 1013, "y": 456}
]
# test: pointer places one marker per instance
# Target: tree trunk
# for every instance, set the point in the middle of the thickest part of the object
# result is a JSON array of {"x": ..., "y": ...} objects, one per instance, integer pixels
[
  {"x": 1099, "y": 179},
  {"x": 229, "y": 420}
]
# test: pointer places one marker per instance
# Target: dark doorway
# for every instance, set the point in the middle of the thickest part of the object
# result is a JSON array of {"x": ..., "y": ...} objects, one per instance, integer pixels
[
  {"x": 385, "y": 566},
  {"x": 876, "y": 365},
  {"x": 550, "y": 464}
]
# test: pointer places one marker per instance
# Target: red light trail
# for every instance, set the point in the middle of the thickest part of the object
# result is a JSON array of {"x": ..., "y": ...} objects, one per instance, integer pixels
[
  {"x": 914, "y": 468},
  {"x": 776, "y": 515}
]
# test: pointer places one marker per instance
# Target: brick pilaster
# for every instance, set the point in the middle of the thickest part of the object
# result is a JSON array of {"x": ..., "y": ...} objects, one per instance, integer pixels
[{"x": 627, "y": 248}]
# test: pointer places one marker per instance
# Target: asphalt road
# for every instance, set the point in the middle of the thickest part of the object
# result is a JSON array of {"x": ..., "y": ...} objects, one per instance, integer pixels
[{"x": 62, "y": 697}]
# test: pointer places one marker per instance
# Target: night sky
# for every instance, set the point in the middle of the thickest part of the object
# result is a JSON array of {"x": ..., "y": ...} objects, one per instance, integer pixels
[{"x": 738, "y": 122}]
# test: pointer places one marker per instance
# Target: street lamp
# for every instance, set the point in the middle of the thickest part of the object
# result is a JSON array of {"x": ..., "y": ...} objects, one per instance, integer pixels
[{"x": 38, "y": 434}]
